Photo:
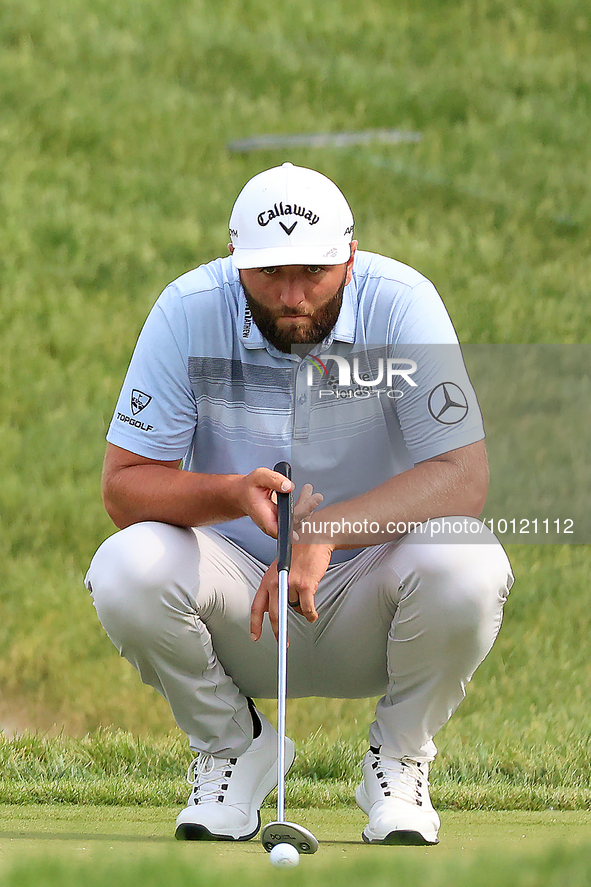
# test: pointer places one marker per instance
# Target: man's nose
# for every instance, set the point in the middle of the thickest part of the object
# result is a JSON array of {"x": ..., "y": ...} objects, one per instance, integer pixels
[{"x": 292, "y": 293}]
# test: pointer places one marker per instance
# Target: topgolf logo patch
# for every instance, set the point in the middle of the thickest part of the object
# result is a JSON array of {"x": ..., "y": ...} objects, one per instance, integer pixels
[{"x": 139, "y": 401}]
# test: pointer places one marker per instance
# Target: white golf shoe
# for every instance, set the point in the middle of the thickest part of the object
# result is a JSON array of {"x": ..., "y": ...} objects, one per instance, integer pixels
[
  {"x": 227, "y": 794},
  {"x": 395, "y": 795}
]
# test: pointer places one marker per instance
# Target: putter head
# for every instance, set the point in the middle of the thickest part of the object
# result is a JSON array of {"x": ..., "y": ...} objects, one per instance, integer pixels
[{"x": 288, "y": 833}]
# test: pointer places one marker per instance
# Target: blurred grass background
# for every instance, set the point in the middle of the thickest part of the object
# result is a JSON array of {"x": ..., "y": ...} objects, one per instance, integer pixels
[{"x": 115, "y": 177}]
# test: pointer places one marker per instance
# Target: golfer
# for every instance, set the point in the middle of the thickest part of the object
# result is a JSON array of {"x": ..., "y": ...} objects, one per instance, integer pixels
[{"x": 299, "y": 346}]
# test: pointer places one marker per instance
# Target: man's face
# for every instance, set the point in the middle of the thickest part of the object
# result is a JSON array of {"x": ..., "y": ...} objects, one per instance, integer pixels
[{"x": 296, "y": 304}]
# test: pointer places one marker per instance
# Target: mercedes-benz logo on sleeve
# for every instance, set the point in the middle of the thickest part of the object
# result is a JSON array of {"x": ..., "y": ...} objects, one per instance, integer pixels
[{"x": 448, "y": 403}]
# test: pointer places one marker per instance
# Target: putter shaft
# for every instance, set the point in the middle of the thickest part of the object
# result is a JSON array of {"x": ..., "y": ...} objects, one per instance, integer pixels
[
  {"x": 284, "y": 534},
  {"x": 282, "y": 693},
  {"x": 280, "y": 831}
]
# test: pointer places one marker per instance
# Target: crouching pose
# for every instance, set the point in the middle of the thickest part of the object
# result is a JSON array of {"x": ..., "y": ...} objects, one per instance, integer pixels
[{"x": 297, "y": 346}]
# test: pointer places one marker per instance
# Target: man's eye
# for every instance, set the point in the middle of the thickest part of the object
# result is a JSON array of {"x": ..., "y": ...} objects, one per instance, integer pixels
[
  {"x": 270, "y": 270},
  {"x": 314, "y": 269}
]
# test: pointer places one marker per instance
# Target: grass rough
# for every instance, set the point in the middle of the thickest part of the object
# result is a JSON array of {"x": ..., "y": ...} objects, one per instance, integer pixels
[{"x": 116, "y": 178}]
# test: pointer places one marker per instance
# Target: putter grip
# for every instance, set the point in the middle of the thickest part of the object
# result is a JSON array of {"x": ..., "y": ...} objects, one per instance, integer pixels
[{"x": 284, "y": 521}]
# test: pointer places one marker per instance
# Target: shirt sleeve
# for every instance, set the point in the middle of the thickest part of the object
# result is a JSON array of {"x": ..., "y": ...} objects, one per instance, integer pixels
[
  {"x": 156, "y": 414},
  {"x": 440, "y": 411}
]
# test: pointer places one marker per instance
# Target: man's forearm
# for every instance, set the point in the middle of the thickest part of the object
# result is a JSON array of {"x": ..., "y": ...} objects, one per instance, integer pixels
[
  {"x": 435, "y": 488},
  {"x": 154, "y": 492}
]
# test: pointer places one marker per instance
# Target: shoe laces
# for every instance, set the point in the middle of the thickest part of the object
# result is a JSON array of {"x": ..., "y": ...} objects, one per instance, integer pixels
[
  {"x": 209, "y": 777},
  {"x": 400, "y": 778}
]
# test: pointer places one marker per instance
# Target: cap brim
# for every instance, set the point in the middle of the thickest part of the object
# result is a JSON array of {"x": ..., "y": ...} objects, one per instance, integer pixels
[{"x": 295, "y": 255}]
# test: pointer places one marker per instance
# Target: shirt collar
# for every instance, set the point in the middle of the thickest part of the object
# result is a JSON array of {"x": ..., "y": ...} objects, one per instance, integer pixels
[{"x": 344, "y": 328}]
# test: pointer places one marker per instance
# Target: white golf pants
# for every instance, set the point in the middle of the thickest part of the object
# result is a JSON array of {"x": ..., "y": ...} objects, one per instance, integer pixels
[{"x": 408, "y": 621}]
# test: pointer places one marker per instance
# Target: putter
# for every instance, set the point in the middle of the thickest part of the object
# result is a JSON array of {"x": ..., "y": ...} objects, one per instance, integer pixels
[{"x": 281, "y": 832}]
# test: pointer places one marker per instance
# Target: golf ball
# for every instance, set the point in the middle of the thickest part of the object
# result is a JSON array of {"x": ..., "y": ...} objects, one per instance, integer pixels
[{"x": 284, "y": 856}]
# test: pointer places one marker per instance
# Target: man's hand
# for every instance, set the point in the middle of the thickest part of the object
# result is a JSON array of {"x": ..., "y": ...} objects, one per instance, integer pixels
[
  {"x": 307, "y": 502},
  {"x": 308, "y": 565},
  {"x": 257, "y": 492}
]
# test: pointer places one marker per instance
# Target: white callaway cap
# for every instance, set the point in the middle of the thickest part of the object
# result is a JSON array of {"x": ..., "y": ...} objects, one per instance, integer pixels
[{"x": 290, "y": 215}]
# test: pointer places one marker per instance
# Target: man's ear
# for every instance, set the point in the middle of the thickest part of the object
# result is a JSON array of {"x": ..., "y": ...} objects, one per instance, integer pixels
[{"x": 350, "y": 262}]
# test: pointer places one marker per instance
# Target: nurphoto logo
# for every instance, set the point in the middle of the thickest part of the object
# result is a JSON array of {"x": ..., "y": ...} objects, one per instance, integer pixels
[{"x": 353, "y": 380}]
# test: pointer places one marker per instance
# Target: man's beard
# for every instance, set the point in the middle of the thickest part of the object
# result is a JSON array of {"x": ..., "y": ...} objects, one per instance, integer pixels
[{"x": 323, "y": 320}]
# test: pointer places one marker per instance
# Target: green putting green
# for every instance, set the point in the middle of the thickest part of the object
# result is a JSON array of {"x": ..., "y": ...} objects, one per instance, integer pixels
[{"x": 77, "y": 843}]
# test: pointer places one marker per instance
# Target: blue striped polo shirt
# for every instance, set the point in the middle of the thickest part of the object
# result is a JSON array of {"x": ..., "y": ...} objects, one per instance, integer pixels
[{"x": 386, "y": 389}]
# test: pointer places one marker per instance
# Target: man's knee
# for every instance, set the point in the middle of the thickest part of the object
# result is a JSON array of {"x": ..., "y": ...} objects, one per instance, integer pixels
[
  {"x": 463, "y": 585},
  {"x": 136, "y": 570}
]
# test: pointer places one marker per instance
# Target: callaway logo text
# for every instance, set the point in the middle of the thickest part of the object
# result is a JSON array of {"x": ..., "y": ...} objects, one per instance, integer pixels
[{"x": 288, "y": 210}]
